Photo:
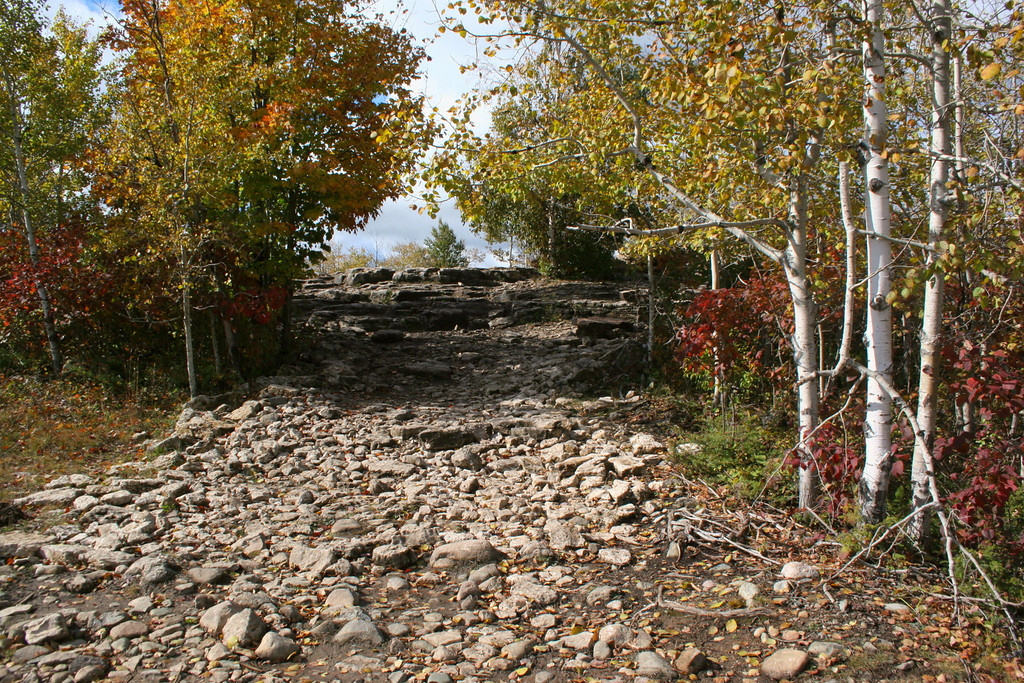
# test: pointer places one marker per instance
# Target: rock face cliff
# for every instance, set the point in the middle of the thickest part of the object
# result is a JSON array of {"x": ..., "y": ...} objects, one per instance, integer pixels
[{"x": 439, "y": 489}]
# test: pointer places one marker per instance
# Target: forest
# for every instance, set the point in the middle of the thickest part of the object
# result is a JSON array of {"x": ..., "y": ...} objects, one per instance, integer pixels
[{"x": 829, "y": 193}]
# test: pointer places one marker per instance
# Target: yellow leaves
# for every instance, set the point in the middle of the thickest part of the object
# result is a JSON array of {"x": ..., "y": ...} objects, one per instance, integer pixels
[
  {"x": 991, "y": 71},
  {"x": 731, "y": 626}
]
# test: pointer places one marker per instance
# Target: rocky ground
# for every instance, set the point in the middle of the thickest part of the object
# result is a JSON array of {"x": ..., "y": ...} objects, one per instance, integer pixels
[{"x": 443, "y": 488}]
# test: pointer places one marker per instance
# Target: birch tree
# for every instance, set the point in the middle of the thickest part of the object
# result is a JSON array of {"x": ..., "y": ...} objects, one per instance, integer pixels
[
  {"x": 874, "y": 486},
  {"x": 49, "y": 106},
  {"x": 717, "y": 117}
]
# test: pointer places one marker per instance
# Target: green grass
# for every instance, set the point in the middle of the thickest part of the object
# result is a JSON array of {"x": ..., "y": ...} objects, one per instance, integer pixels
[
  {"x": 738, "y": 451},
  {"x": 64, "y": 426}
]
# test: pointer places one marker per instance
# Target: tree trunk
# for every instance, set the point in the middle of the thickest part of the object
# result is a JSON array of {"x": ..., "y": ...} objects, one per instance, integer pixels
[
  {"x": 218, "y": 366},
  {"x": 231, "y": 347},
  {"x": 804, "y": 341},
  {"x": 717, "y": 396},
  {"x": 874, "y": 484},
  {"x": 286, "y": 327},
  {"x": 931, "y": 321},
  {"x": 552, "y": 245},
  {"x": 186, "y": 318},
  {"x": 17, "y": 133}
]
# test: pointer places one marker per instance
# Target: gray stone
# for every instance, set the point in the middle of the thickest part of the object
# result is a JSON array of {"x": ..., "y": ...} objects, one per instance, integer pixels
[
  {"x": 897, "y": 608},
  {"x": 581, "y": 641},
  {"x": 615, "y": 634},
  {"x": 748, "y": 592},
  {"x": 64, "y": 553},
  {"x": 691, "y": 661},
  {"x": 394, "y": 556},
  {"x": 563, "y": 536},
  {"x": 27, "y": 653},
  {"x": 474, "y": 551},
  {"x": 342, "y": 597},
  {"x": 214, "y": 618},
  {"x": 827, "y": 649},
  {"x": 359, "y": 632},
  {"x": 787, "y": 663},
  {"x": 799, "y": 570},
  {"x": 153, "y": 569},
  {"x": 643, "y": 444},
  {"x": 118, "y": 498},
  {"x": 22, "y": 544},
  {"x": 129, "y": 629},
  {"x": 430, "y": 369},
  {"x": 653, "y": 665},
  {"x": 535, "y": 593},
  {"x": 51, "y": 627},
  {"x": 243, "y": 629},
  {"x": 447, "y": 439},
  {"x": 276, "y": 648},
  {"x": 312, "y": 560},
  {"x": 616, "y": 556},
  {"x": 108, "y": 559},
  {"x": 61, "y": 497},
  {"x": 208, "y": 575}
]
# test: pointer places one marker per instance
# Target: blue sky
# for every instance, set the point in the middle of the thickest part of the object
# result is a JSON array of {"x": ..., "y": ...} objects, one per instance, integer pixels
[{"x": 441, "y": 83}]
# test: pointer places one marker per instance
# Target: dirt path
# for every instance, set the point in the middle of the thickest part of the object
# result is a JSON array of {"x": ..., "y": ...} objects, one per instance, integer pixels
[{"x": 441, "y": 489}]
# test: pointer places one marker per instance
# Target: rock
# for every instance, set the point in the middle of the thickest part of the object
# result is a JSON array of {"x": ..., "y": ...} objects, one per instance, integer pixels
[
  {"x": 616, "y": 556},
  {"x": 535, "y": 593},
  {"x": 359, "y": 632},
  {"x": 799, "y": 570},
  {"x": 447, "y": 439},
  {"x": 602, "y": 328},
  {"x": 342, "y": 597},
  {"x": 64, "y": 553},
  {"x": 49, "y": 628},
  {"x": 626, "y": 465},
  {"x": 208, "y": 575},
  {"x": 244, "y": 628},
  {"x": 615, "y": 634},
  {"x": 748, "y": 592},
  {"x": 61, "y": 497},
  {"x": 653, "y": 665},
  {"x": 128, "y": 629},
  {"x": 107, "y": 559},
  {"x": 153, "y": 569},
  {"x": 429, "y": 369},
  {"x": 581, "y": 641},
  {"x": 274, "y": 647},
  {"x": 23, "y": 544},
  {"x": 786, "y": 663},
  {"x": 691, "y": 661},
  {"x": 387, "y": 336},
  {"x": 826, "y": 649},
  {"x": 312, "y": 560},
  {"x": 118, "y": 498},
  {"x": 897, "y": 608},
  {"x": 394, "y": 556},
  {"x": 214, "y": 618},
  {"x": 644, "y": 444},
  {"x": 246, "y": 411},
  {"x": 476, "y": 551},
  {"x": 563, "y": 536}
]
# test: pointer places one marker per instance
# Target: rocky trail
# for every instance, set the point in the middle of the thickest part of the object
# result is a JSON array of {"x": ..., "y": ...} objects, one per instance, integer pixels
[{"x": 444, "y": 488}]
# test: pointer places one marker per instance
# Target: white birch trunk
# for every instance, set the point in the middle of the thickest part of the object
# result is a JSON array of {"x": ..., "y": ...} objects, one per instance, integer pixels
[
  {"x": 931, "y": 321},
  {"x": 190, "y": 355},
  {"x": 804, "y": 341},
  {"x": 45, "y": 305},
  {"x": 874, "y": 484}
]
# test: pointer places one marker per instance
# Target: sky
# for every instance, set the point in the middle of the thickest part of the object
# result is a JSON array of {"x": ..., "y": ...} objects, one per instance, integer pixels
[{"x": 441, "y": 83}]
